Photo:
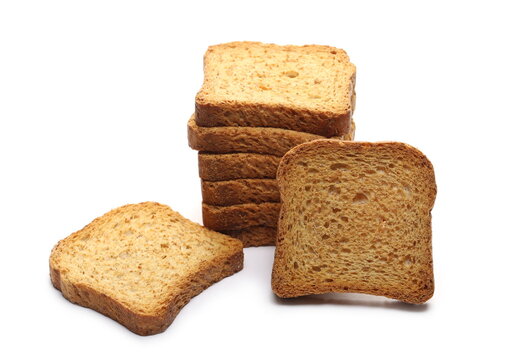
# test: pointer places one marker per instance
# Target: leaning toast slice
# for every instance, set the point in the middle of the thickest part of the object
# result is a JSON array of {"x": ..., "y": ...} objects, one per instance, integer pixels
[
  {"x": 355, "y": 217},
  {"x": 140, "y": 264}
]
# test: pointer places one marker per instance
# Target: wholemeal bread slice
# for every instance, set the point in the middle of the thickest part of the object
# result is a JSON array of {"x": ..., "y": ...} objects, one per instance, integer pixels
[
  {"x": 240, "y": 191},
  {"x": 140, "y": 264},
  {"x": 355, "y": 218},
  {"x": 218, "y": 167},
  {"x": 306, "y": 88},
  {"x": 238, "y": 217},
  {"x": 231, "y": 139},
  {"x": 254, "y": 236}
]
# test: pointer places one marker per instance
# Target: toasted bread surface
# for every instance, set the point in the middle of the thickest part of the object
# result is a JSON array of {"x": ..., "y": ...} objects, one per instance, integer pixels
[
  {"x": 355, "y": 217},
  {"x": 140, "y": 264},
  {"x": 306, "y": 88}
]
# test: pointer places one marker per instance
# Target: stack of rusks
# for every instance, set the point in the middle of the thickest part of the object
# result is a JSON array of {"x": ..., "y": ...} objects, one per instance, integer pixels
[
  {"x": 355, "y": 216},
  {"x": 257, "y": 102}
]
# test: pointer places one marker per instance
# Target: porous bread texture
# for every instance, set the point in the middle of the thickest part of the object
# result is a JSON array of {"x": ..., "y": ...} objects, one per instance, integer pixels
[
  {"x": 231, "y": 139},
  {"x": 355, "y": 218},
  {"x": 254, "y": 236},
  {"x": 140, "y": 264},
  {"x": 306, "y": 88},
  {"x": 219, "y": 167},
  {"x": 240, "y": 191},
  {"x": 241, "y": 216}
]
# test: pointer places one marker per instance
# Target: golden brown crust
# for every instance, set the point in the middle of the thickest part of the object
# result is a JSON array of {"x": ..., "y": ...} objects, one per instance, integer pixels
[
  {"x": 287, "y": 290},
  {"x": 237, "y": 217},
  {"x": 232, "y": 139},
  {"x": 220, "y": 167},
  {"x": 254, "y": 236},
  {"x": 240, "y": 191},
  {"x": 286, "y": 285},
  {"x": 211, "y": 270}
]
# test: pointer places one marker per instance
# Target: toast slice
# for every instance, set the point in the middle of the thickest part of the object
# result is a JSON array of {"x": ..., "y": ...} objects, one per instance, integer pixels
[
  {"x": 219, "y": 167},
  {"x": 240, "y": 191},
  {"x": 140, "y": 264},
  {"x": 355, "y": 218},
  {"x": 231, "y": 139},
  {"x": 305, "y": 88},
  {"x": 238, "y": 217},
  {"x": 254, "y": 236}
]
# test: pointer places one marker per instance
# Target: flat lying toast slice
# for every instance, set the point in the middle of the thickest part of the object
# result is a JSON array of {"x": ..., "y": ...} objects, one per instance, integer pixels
[
  {"x": 218, "y": 167},
  {"x": 238, "y": 217},
  {"x": 231, "y": 139},
  {"x": 254, "y": 236},
  {"x": 140, "y": 264},
  {"x": 240, "y": 191},
  {"x": 305, "y": 88},
  {"x": 355, "y": 218}
]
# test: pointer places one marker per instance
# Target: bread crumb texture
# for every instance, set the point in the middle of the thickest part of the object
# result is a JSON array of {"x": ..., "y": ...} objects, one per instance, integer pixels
[
  {"x": 355, "y": 218},
  {"x": 141, "y": 263},
  {"x": 307, "y": 76}
]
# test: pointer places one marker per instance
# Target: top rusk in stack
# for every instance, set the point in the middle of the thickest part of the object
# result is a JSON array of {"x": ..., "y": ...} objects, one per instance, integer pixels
[{"x": 257, "y": 102}]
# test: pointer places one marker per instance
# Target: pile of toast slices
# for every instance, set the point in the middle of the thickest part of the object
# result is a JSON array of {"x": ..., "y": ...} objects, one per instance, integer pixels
[
  {"x": 273, "y": 127},
  {"x": 257, "y": 102}
]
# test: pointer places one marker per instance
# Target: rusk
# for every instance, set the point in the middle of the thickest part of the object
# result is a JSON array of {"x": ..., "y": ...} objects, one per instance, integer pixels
[
  {"x": 306, "y": 88},
  {"x": 261, "y": 140},
  {"x": 140, "y": 264},
  {"x": 355, "y": 217}
]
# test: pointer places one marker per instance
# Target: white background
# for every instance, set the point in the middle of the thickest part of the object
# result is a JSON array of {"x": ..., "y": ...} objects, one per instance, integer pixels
[{"x": 94, "y": 100}]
